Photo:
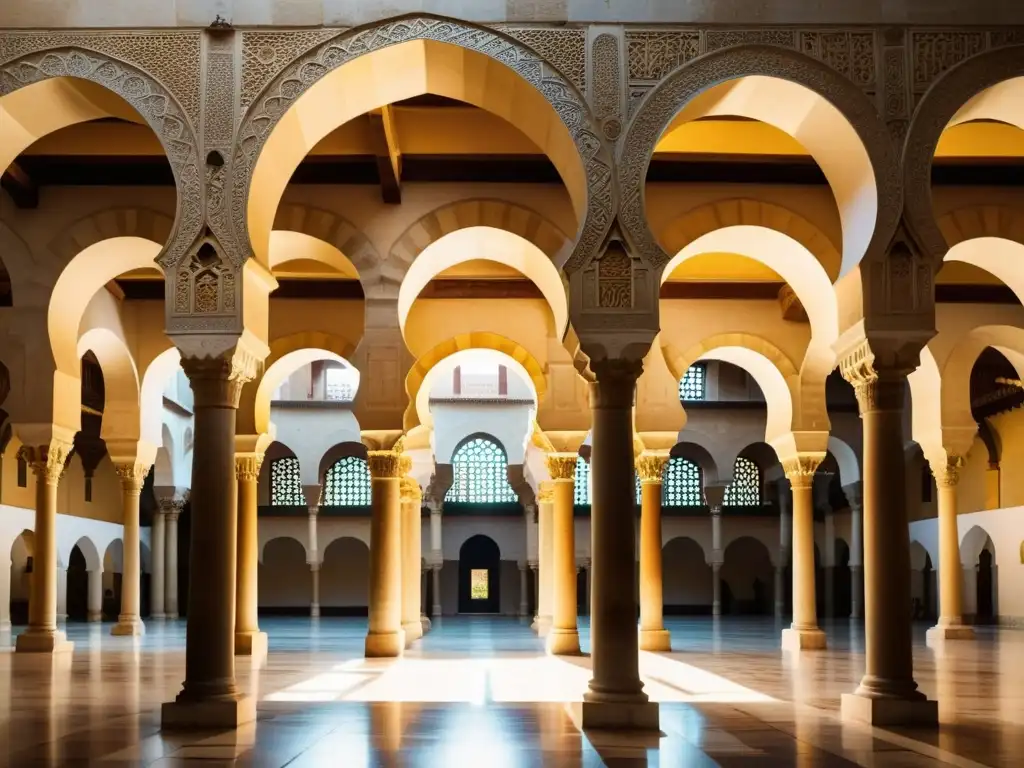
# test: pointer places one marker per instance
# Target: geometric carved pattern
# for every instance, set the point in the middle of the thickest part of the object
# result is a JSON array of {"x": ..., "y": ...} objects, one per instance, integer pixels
[
  {"x": 745, "y": 488},
  {"x": 681, "y": 484},
  {"x": 205, "y": 284},
  {"x": 480, "y": 470},
  {"x": 310, "y": 67},
  {"x": 563, "y": 48},
  {"x": 581, "y": 491},
  {"x": 285, "y": 483},
  {"x": 615, "y": 278},
  {"x": 606, "y": 97},
  {"x": 693, "y": 385},
  {"x": 348, "y": 483},
  {"x": 265, "y": 54}
]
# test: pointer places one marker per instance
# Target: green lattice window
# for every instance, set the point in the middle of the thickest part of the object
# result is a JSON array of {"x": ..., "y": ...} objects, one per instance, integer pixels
[
  {"x": 581, "y": 495},
  {"x": 745, "y": 488},
  {"x": 480, "y": 469},
  {"x": 286, "y": 483},
  {"x": 348, "y": 483},
  {"x": 680, "y": 484},
  {"x": 693, "y": 385}
]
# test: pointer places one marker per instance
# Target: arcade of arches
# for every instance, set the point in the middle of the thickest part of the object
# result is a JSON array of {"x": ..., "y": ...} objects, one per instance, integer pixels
[{"x": 588, "y": 339}]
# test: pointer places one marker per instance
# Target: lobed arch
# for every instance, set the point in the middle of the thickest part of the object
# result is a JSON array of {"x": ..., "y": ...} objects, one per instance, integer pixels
[
  {"x": 77, "y": 85},
  {"x": 351, "y": 246},
  {"x": 975, "y": 88},
  {"x": 420, "y": 369},
  {"x": 834, "y": 119},
  {"x": 386, "y": 62}
]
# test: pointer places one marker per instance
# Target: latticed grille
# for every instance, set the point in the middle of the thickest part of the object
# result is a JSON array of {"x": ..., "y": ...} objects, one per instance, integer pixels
[
  {"x": 693, "y": 384},
  {"x": 745, "y": 488},
  {"x": 680, "y": 484},
  {"x": 286, "y": 483},
  {"x": 581, "y": 496},
  {"x": 348, "y": 483},
  {"x": 480, "y": 470}
]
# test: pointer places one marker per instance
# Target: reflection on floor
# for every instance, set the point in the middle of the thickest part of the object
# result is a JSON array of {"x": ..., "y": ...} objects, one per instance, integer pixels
[{"x": 479, "y": 691}]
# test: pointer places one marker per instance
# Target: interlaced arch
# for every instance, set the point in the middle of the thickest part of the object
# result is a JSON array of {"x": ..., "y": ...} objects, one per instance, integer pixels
[
  {"x": 681, "y": 484},
  {"x": 347, "y": 483},
  {"x": 480, "y": 474},
  {"x": 745, "y": 488},
  {"x": 286, "y": 483}
]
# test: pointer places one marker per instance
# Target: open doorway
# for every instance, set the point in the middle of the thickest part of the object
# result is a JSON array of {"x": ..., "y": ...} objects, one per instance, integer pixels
[{"x": 479, "y": 575}]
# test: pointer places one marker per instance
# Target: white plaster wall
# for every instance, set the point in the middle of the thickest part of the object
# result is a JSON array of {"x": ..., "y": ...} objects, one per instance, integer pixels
[
  {"x": 310, "y": 433},
  {"x": 510, "y": 425},
  {"x": 509, "y": 533},
  {"x": 285, "y": 580}
]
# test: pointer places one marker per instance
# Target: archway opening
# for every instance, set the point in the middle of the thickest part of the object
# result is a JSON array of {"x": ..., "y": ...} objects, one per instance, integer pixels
[
  {"x": 22, "y": 566},
  {"x": 345, "y": 578},
  {"x": 284, "y": 580},
  {"x": 978, "y": 555},
  {"x": 687, "y": 578},
  {"x": 748, "y": 575},
  {"x": 479, "y": 576},
  {"x": 77, "y": 595}
]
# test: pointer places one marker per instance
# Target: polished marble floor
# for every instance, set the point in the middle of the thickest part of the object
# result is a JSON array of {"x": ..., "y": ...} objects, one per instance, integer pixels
[{"x": 480, "y": 692}]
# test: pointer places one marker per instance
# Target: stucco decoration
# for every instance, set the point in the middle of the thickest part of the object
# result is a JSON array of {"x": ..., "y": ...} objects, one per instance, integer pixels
[
  {"x": 309, "y": 68},
  {"x": 939, "y": 106},
  {"x": 157, "y": 106},
  {"x": 671, "y": 95}
]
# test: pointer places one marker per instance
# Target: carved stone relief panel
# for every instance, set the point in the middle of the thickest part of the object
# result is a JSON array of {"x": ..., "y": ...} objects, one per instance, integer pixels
[
  {"x": 565, "y": 48},
  {"x": 606, "y": 83},
  {"x": 206, "y": 291}
]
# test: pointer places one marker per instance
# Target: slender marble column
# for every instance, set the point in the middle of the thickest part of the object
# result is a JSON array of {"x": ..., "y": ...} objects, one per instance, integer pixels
[
  {"x": 171, "y": 561},
  {"x": 94, "y": 607},
  {"x": 888, "y": 693},
  {"x": 412, "y": 553},
  {"x": 62, "y": 594},
  {"x": 829, "y": 562},
  {"x": 716, "y": 589},
  {"x": 803, "y": 633},
  {"x": 209, "y": 697},
  {"x": 314, "y": 602},
  {"x": 653, "y": 635},
  {"x": 313, "y": 556},
  {"x": 249, "y": 641},
  {"x": 42, "y": 635},
  {"x": 385, "y": 637},
  {"x": 853, "y": 497},
  {"x": 950, "y": 625},
  {"x": 436, "y": 554},
  {"x": 535, "y": 584},
  {"x": 616, "y": 696},
  {"x": 715, "y": 498},
  {"x": 563, "y": 638},
  {"x": 129, "y": 621},
  {"x": 435, "y": 575},
  {"x": 5, "y": 588},
  {"x": 785, "y": 544},
  {"x": 545, "y": 555},
  {"x": 424, "y": 619},
  {"x": 158, "y": 546},
  {"x": 524, "y": 591}
]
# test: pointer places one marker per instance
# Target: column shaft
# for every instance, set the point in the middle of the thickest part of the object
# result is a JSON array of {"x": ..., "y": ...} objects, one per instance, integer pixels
[
  {"x": 412, "y": 556},
  {"x": 524, "y": 595},
  {"x": 803, "y": 633},
  {"x": 716, "y": 590},
  {"x": 385, "y": 637},
  {"x": 951, "y": 625},
  {"x": 435, "y": 574},
  {"x": 171, "y": 563},
  {"x": 95, "y": 596},
  {"x": 5, "y": 588},
  {"x": 563, "y": 637},
  {"x": 545, "y": 556},
  {"x": 156, "y": 579},
  {"x": 314, "y": 603},
  {"x": 249, "y": 641},
  {"x": 129, "y": 622},
  {"x": 653, "y": 635}
]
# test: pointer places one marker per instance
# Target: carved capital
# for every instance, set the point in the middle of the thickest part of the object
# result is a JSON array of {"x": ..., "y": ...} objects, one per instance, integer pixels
[
  {"x": 384, "y": 464},
  {"x": 47, "y": 461},
  {"x": 800, "y": 469},
  {"x": 650, "y": 466},
  {"x": 410, "y": 490},
  {"x": 172, "y": 505},
  {"x": 131, "y": 476},
  {"x": 947, "y": 473},
  {"x": 247, "y": 466},
  {"x": 879, "y": 386},
  {"x": 615, "y": 386},
  {"x": 404, "y": 461},
  {"x": 854, "y": 496},
  {"x": 217, "y": 381},
  {"x": 561, "y": 466}
]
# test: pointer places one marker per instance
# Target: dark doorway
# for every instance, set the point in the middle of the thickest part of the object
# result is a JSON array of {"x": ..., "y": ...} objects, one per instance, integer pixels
[
  {"x": 78, "y": 586},
  {"x": 842, "y": 582},
  {"x": 986, "y": 605},
  {"x": 928, "y": 589},
  {"x": 479, "y": 576},
  {"x": 582, "y": 598}
]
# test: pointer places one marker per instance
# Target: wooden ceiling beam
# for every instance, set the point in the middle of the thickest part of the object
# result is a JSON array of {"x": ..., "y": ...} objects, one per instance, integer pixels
[
  {"x": 384, "y": 135},
  {"x": 20, "y": 186}
]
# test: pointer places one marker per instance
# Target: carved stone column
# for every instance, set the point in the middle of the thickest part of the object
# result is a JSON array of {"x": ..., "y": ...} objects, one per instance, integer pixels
[
  {"x": 42, "y": 635},
  {"x": 545, "y": 554},
  {"x": 950, "y": 625},
  {"x": 313, "y": 559},
  {"x": 616, "y": 697},
  {"x": 853, "y": 498},
  {"x": 171, "y": 561},
  {"x": 62, "y": 594},
  {"x": 412, "y": 553},
  {"x": 158, "y": 547},
  {"x": 888, "y": 693},
  {"x": 209, "y": 697},
  {"x": 249, "y": 641},
  {"x": 563, "y": 638},
  {"x": 385, "y": 637},
  {"x": 803, "y": 633},
  {"x": 653, "y": 635},
  {"x": 436, "y": 554},
  {"x": 785, "y": 544},
  {"x": 714, "y": 495},
  {"x": 129, "y": 622},
  {"x": 435, "y": 576},
  {"x": 94, "y": 605},
  {"x": 314, "y": 601}
]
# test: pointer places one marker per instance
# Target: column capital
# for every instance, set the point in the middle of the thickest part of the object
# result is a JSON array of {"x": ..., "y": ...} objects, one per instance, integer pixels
[
  {"x": 385, "y": 465},
  {"x": 47, "y": 461},
  {"x": 131, "y": 475},
  {"x": 314, "y": 510},
  {"x": 800, "y": 469},
  {"x": 435, "y": 506},
  {"x": 947, "y": 472},
  {"x": 879, "y": 381},
  {"x": 410, "y": 490},
  {"x": 650, "y": 465},
  {"x": 615, "y": 386},
  {"x": 523, "y": 565},
  {"x": 561, "y": 466},
  {"x": 854, "y": 495},
  {"x": 247, "y": 466},
  {"x": 533, "y": 564},
  {"x": 217, "y": 380},
  {"x": 714, "y": 495},
  {"x": 172, "y": 504}
]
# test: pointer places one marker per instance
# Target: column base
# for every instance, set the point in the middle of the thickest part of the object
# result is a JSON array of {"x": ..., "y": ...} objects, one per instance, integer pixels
[
  {"x": 207, "y": 715},
  {"x": 615, "y": 716},
  {"x": 43, "y": 641},
  {"x": 384, "y": 645},
  {"x": 563, "y": 642},
  {"x": 435, "y": 612},
  {"x": 413, "y": 631},
  {"x": 424, "y": 624},
  {"x": 803, "y": 640},
  {"x": 889, "y": 711},
  {"x": 942, "y": 632},
  {"x": 128, "y": 627},
  {"x": 658, "y": 640},
  {"x": 94, "y": 617},
  {"x": 160, "y": 615},
  {"x": 314, "y": 611},
  {"x": 542, "y": 626},
  {"x": 172, "y": 616},
  {"x": 716, "y": 610},
  {"x": 251, "y": 644},
  {"x": 5, "y": 626}
]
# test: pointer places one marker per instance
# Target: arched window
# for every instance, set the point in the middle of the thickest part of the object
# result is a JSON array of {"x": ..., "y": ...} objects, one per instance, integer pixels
[
  {"x": 693, "y": 385},
  {"x": 745, "y": 488},
  {"x": 480, "y": 470},
  {"x": 348, "y": 483},
  {"x": 680, "y": 485},
  {"x": 286, "y": 483},
  {"x": 581, "y": 496}
]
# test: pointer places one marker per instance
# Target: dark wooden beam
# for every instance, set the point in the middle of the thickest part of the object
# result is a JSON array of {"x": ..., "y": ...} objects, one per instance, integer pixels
[
  {"x": 384, "y": 135},
  {"x": 20, "y": 186}
]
